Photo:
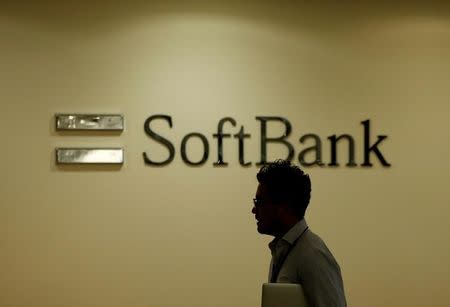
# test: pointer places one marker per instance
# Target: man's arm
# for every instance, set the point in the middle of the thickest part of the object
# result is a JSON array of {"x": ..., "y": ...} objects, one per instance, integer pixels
[{"x": 321, "y": 280}]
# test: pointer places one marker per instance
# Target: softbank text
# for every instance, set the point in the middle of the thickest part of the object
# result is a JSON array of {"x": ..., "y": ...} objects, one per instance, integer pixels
[{"x": 370, "y": 149}]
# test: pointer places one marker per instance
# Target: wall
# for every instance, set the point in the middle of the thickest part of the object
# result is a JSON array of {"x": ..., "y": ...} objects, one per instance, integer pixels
[{"x": 184, "y": 236}]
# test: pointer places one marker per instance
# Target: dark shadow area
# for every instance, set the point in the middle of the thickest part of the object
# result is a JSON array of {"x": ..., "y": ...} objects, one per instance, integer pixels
[
  {"x": 92, "y": 16},
  {"x": 86, "y": 133},
  {"x": 88, "y": 167}
]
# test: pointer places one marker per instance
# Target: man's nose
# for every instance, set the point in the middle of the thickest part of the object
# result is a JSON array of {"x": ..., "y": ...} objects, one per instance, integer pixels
[{"x": 254, "y": 210}]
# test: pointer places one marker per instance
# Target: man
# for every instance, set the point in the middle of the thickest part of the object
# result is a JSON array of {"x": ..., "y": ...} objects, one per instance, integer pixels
[{"x": 298, "y": 255}]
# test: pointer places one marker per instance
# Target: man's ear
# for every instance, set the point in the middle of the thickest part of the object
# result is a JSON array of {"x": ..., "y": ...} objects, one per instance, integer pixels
[{"x": 284, "y": 208}]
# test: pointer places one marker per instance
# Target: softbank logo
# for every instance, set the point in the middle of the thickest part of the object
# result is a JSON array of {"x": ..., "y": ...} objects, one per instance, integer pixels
[
  {"x": 307, "y": 151},
  {"x": 371, "y": 148}
]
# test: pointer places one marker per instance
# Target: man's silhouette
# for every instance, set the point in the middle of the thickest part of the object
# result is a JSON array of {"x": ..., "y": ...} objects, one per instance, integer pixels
[{"x": 298, "y": 255}]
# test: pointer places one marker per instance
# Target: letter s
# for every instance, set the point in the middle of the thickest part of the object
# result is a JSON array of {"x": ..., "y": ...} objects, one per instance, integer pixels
[{"x": 159, "y": 139}]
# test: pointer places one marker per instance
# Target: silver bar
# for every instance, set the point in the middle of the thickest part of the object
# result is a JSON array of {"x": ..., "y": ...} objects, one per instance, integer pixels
[
  {"x": 89, "y": 155},
  {"x": 89, "y": 122}
]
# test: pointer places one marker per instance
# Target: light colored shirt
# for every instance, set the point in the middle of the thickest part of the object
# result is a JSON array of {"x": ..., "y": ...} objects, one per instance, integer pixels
[{"x": 310, "y": 263}]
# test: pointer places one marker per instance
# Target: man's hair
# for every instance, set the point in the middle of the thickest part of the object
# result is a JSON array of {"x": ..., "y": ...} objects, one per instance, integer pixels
[{"x": 286, "y": 182}]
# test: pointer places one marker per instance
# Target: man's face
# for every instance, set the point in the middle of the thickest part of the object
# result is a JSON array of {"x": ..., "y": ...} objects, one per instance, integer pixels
[{"x": 266, "y": 212}]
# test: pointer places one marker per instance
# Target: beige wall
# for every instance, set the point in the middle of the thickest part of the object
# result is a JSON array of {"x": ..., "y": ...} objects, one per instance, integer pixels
[{"x": 183, "y": 236}]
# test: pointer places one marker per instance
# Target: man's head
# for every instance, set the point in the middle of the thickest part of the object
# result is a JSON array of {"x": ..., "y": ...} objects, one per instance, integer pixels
[{"x": 282, "y": 197}]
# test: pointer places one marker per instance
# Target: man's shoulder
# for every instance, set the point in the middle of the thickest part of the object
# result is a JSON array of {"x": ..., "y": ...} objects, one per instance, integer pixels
[
  {"x": 310, "y": 241},
  {"x": 311, "y": 248}
]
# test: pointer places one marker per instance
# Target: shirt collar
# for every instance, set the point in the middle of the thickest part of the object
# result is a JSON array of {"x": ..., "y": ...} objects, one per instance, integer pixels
[{"x": 292, "y": 235}]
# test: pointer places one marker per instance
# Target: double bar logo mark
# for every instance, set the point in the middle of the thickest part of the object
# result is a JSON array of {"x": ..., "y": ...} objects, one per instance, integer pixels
[{"x": 89, "y": 123}]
